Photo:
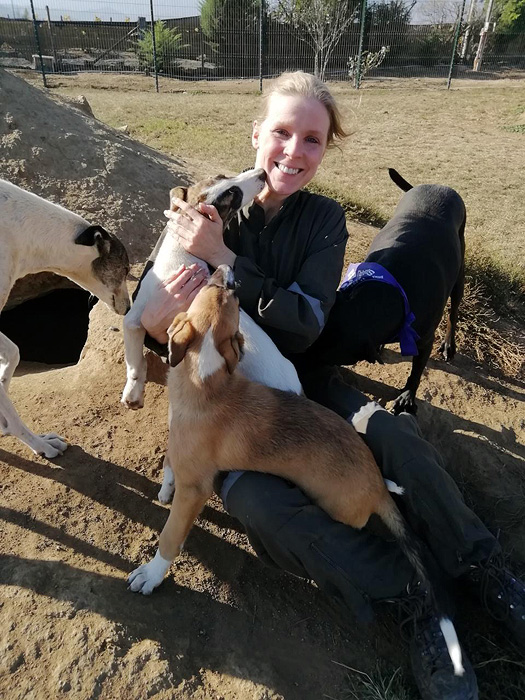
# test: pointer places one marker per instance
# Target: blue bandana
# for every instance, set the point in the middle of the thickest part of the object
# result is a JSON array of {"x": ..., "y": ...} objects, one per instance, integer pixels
[{"x": 358, "y": 273}]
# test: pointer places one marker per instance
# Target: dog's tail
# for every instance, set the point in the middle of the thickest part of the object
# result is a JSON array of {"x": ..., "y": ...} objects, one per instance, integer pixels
[
  {"x": 412, "y": 549},
  {"x": 400, "y": 181}
]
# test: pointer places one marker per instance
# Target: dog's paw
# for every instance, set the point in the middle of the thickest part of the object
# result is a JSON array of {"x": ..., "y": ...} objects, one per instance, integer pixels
[
  {"x": 448, "y": 350},
  {"x": 148, "y": 576},
  {"x": 133, "y": 395},
  {"x": 168, "y": 484},
  {"x": 166, "y": 492},
  {"x": 50, "y": 445}
]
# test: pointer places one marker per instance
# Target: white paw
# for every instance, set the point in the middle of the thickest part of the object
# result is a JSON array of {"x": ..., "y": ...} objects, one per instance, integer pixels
[
  {"x": 148, "y": 576},
  {"x": 133, "y": 394},
  {"x": 166, "y": 492},
  {"x": 168, "y": 483},
  {"x": 49, "y": 445}
]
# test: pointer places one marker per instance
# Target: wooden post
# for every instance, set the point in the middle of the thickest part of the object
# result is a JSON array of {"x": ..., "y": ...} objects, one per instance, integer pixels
[{"x": 483, "y": 38}]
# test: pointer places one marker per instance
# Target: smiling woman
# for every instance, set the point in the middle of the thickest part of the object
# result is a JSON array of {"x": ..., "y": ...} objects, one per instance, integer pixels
[{"x": 291, "y": 142}]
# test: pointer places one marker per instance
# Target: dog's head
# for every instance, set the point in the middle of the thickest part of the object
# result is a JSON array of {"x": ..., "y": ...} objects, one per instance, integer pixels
[
  {"x": 208, "y": 333},
  {"x": 226, "y": 194},
  {"x": 105, "y": 277}
]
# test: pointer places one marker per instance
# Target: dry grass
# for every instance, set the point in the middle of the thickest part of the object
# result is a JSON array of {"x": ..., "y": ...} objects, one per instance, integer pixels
[{"x": 482, "y": 336}]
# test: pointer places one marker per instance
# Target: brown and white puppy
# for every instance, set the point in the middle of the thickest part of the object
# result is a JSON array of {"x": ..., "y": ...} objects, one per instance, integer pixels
[
  {"x": 39, "y": 236},
  {"x": 221, "y": 421}
]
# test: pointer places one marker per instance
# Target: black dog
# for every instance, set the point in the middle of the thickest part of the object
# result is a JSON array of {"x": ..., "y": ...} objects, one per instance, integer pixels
[{"x": 423, "y": 248}]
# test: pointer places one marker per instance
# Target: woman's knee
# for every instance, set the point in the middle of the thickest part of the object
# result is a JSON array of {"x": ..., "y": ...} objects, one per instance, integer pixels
[{"x": 263, "y": 502}]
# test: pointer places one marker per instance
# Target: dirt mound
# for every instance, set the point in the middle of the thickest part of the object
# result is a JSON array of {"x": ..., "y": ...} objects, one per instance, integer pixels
[{"x": 60, "y": 153}]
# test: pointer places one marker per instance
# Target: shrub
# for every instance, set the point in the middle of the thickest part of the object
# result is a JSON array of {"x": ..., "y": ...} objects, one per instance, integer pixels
[{"x": 167, "y": 43}]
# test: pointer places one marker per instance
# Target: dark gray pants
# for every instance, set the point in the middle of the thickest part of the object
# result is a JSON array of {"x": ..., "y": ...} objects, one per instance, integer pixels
[{"x": 355, "y": 567}]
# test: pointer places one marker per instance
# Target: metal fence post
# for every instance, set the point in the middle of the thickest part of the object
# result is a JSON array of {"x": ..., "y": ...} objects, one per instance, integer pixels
[
  {"x": 50, "y": 28},
  {"x": 261, "y": 19},
  {"x": 455, "y": 46},
  {"x": 360, "y": 48},
  {"x": 37, "y": 38},
  {"x": 154, "y": 46}
]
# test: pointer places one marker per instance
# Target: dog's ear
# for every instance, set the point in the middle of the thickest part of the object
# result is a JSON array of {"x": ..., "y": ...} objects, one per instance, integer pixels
[
  {"x": 95, "y": 235},
  {"x": 232, "y": 349},
  {"x": 180, "y": 193},
  {"x": 228, "y": 204},
  {"x": 181, "y": 334}
]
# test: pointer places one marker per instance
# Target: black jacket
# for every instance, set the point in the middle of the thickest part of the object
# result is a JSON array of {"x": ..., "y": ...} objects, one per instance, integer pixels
[{"x": 288, "y": 270}]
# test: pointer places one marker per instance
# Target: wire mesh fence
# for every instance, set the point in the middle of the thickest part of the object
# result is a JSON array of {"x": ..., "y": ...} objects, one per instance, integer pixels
[{"x": 352, "y": 40}]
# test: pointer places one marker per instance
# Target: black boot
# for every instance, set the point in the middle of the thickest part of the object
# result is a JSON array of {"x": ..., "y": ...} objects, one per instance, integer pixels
[
  {"x": 433, "y": 668},
  {"x": 501, "y": 593},
  {"x": 431, "y": 664}
]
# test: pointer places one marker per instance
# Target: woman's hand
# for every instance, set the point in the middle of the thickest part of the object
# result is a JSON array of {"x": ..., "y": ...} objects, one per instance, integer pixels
[
  {"x": 174, "y": 296},
  {"x": 200, "y": 232}
]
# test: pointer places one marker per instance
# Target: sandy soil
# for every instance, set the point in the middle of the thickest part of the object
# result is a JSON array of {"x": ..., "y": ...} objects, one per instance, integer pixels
[{"x": 222, "y": 626}]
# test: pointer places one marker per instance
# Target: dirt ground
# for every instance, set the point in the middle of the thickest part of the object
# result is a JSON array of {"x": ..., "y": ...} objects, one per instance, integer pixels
[{"x": 222, "y": 626}]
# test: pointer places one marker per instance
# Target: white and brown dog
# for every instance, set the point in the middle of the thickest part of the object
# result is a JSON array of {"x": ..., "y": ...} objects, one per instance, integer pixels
[
  {"x": 39, "y": 236},
  {"x": 262, "y": 360},
  {"x": 221, "y": 421}
]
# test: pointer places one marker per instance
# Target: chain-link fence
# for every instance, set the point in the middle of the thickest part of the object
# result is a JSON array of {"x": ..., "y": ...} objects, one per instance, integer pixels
[{"x": 213, "y": 39}]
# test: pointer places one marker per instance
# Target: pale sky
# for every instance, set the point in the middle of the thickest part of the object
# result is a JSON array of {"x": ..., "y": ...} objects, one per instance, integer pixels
[
  {"x": 425, "y": 11},
  {"x": 86, "y": 10}
]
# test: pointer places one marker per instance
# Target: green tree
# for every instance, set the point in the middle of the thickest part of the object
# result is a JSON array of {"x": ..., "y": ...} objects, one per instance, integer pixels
[
  {"x": 167, "y": 43},
  {"x": 319, "y": 23},
  {"x": 511, "y": 16},
  {"x": 391, "y": 15},
  {"x": 231, "y": 28}
]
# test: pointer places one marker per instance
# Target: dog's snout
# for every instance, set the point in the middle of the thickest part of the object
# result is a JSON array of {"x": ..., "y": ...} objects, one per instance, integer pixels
[
  {"x": 229, "y": 278},
  {"x": 223, "y": 277}
]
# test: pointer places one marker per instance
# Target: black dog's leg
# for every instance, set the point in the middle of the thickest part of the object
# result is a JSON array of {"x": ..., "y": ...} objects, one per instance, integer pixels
[
  {"x": 448, "y": 346},
  {"x": 406, "y": 401}
]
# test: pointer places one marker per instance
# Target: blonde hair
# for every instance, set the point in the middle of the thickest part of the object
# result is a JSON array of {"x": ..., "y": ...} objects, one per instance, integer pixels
[{"x": 300, "y": 84}]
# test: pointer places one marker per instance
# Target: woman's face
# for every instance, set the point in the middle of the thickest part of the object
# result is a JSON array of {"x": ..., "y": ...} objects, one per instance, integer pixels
[{"x": 290, "y": 143}]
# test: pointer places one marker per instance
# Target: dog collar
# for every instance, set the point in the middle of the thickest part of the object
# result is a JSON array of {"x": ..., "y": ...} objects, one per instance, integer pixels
[{"x": 358, "y": 273}]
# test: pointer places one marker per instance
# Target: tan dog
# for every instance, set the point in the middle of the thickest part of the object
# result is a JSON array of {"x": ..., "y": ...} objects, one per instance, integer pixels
[{"x": 221, "y": 421}]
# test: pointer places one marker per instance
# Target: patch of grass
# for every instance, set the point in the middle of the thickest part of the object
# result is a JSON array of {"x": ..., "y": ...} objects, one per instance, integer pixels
[
  {"x": 479, "y": 334},
  {"x": 517, "y": 128},
  {"x": 172, "y": 133},
  {"x": 354, "y": 208},
  {"x": 502, "y": 287},
  {"x": 501, "y": 672},
  {"x": 381, "y": 684}
]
